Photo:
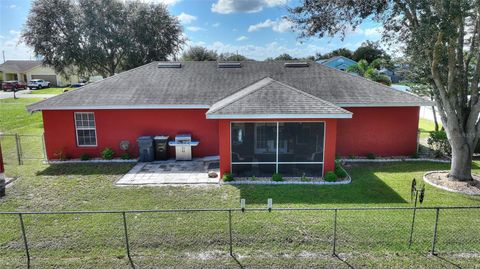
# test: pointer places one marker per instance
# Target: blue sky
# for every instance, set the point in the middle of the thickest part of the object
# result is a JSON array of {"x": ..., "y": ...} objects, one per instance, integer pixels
[{"x": 254, "y": 28}]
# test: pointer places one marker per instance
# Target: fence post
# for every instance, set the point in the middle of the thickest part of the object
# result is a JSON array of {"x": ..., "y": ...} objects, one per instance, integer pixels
[
  {"x": 127, "y": 244},
  {"x": 334, "y": 233},
  {"x": 434, "y": 242},
  {"x": 230, "y": 231},
  {"x": 17, "y": 144},
  {"x": 24, "y": 236}
]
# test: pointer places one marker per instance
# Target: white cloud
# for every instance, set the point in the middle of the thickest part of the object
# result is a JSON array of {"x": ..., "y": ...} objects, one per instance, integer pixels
[
  {"x": 13, "y": 49},
  {"x": 280, "y": 25},
  {"x": 375, "y": 31},
  {"x": 195, "y": 28},
  {"x": 260, "y": 52},
  {"x": 12, "y": 6},
  {"x": 217, "y": 24},
  {"x": 241, "y": 38},
  {"x": 186, "y": 18},
  {"x": 165, "y": 2},
  {"x": 248, "y": 6}
]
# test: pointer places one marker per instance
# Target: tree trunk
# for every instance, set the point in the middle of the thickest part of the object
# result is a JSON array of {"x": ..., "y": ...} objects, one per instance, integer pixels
[
  {"x": 461, "y": 163},
  {"x": 435, "y": 118}
]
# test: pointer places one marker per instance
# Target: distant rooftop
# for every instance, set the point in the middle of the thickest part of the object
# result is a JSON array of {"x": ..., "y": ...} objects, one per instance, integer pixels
[{"x": 19, "y": 66}]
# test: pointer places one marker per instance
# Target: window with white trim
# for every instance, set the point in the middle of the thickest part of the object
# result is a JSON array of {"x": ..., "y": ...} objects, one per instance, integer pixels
[{"x": 85, "y": 129}]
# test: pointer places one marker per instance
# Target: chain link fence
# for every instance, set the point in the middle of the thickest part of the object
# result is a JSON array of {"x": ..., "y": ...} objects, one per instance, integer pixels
[
  {"x": 171, "y": 236},
  {"x": 18, "y": 148}
]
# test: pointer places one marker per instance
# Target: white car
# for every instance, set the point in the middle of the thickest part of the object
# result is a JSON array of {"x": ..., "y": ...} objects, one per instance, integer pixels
[{"x": 38, "y": 84}]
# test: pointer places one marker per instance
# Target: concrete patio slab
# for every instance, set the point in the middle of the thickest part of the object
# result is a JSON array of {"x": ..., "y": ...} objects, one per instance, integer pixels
[{"x": 172, "y": 172}]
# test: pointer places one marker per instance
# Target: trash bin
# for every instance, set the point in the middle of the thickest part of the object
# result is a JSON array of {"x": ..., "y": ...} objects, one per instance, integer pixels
[
  {"x": 161, "y": 150},
  {"x": 145, "y": 149}
]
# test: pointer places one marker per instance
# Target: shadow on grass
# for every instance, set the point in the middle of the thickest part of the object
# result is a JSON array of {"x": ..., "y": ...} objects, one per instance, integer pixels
[{"x": 86, "y": 169}]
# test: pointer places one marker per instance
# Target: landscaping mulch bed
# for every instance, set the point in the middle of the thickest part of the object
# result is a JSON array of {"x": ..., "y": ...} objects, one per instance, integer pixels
[{"x": 440, "y": 179}]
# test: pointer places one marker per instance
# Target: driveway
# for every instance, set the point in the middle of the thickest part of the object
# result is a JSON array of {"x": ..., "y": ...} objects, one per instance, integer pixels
[{"x": 24, "y": 94}]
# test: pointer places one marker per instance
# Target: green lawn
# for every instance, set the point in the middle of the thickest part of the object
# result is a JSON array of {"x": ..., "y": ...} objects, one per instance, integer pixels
[
  {"x": 51, "y": 90},
  {"x": 425, "y": 127},
  {"x": 279, "y": 239}
]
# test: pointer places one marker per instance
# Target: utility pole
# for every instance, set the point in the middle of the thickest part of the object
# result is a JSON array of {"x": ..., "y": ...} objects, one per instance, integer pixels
[{"x": 3, "y": 53}]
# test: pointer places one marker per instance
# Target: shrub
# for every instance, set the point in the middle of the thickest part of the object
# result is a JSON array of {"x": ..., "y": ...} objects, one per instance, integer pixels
[
  {"x": 277, "y": 177},
  {"x": 414, "y": 155},
  {"x": 352, "y": 157},
  {"x": 108, "y": 154},
  {"x": 84, "y": 157},
  {"x": 125, "y": 156},
  {"x": 227, "y": 177},
  {"x": 339, "y": 171},
  {"x": 371, "y": 156},
  {"x": 330, "y": 176},
  {"x": 438, "y": 141}
]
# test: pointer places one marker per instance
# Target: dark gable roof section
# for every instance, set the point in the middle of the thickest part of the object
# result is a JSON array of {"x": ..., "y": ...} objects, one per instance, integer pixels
[
  {"x": 269, "y": 98},
  {"x": 18, "y": 66},
  {"x": 202, "y": 84}
]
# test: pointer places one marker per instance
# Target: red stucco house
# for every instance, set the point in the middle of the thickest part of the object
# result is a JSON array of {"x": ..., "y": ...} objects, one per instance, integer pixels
[{"x": 258, "y": 117}]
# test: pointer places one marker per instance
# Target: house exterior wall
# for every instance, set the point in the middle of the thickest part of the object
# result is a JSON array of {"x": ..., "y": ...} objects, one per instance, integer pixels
[
  {"x": 225, "y": 141},
  {"x": 44, "y": 70},
  {"x": 113, "y": 126},
  {"x": 383, "y": 131}
]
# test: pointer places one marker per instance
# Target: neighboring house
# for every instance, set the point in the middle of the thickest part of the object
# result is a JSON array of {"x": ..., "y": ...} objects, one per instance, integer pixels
[
  {"x": 258, "y": 117},
  {"x": 23, "y": 70},
  {"x": 338, "y": 62}
]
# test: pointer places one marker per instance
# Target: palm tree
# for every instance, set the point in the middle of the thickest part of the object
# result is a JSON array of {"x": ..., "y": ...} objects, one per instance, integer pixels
[{"x": 369, "y": 70}]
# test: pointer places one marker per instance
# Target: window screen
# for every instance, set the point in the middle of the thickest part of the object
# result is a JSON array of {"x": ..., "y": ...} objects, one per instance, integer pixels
[{"x": 85, "y": 129}]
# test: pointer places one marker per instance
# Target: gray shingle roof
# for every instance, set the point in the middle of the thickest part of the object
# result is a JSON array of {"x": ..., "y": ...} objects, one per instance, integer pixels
[
  {"x": 203, "y": 84},
  {"x": 18, "y": 66},
  {"x": 275, "y": 99}
]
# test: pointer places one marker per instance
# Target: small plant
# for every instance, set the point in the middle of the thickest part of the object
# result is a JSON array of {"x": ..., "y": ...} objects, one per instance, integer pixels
[
  {"x": 438, "y": 141},
  {"x": 125, "y": 156},
  {"x": 371, "y": 156},
  {"x": 227, "y": 177},
  {"x": 108, "y": 154},
  {"x": 414, "y": 155},
  {"x": 339, "y": 171},
  {"x": 277, "y": 177},
  {"x": 254, "y": 178},
  {"x": 84, "y": 157},
  {"x": 352, "y": 157},
  {"x": 330, "y": 176}
]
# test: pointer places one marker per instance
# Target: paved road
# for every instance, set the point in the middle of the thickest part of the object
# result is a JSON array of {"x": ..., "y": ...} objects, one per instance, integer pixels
[{"x": 24, "y": 94}]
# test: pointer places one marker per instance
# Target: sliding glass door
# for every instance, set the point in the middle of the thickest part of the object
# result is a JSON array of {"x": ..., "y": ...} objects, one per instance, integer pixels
[{"x": 293, "y": 149}]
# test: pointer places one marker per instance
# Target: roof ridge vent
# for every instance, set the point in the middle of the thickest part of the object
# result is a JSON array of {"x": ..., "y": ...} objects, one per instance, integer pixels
[
  {"x": 229, "y": 65},
  {"x": 169, "y": 65},
  {"x": 296, "y": 64}
]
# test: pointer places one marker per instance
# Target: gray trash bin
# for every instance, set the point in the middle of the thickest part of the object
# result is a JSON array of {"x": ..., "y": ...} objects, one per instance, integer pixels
[{"x": 145, "y": 149}]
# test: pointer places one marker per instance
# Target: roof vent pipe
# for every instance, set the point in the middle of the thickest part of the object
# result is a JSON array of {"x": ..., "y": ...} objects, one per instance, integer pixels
[
  {"x": 296, "y": 64},
  {"x": 169, "y": 65}
]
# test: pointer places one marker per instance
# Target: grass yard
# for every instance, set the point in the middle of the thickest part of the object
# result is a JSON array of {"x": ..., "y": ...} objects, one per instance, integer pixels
[
  {"x": 425, "y": 127},
  {"x": 279, "y": 239},
  {"x": 51, "y": 90}
]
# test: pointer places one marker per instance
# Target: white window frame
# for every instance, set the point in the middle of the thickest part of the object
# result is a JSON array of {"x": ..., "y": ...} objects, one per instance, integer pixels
[
  {"x": 277, "y": 162},
  {"x": 85, "y": 128}
]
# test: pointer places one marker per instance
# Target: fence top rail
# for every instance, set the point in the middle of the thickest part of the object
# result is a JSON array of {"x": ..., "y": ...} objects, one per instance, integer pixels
[{"x": 234, "y": 209}]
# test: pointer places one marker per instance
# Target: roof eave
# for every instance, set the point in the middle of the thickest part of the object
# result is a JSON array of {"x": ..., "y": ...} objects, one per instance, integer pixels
[
  {"x": 281, "y": 116},
  {"x": 373, "y": 104}
]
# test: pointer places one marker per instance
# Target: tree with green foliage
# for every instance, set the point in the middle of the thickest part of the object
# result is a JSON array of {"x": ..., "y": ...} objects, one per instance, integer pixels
[
  {"x": 369, "y": 51},
  {"x": 364, "y": 69},
  {"x": 198, "y": 53},
  {"x": 283, "y": 57},
  {"x": 338, "y": 52},
  {"x": 443, "y": 35},
  {"x": 100, "y": 36},
  {"x": 234, "y": 57}
]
